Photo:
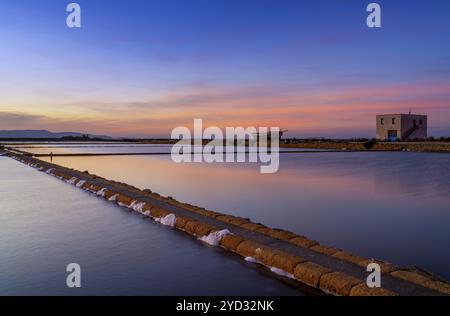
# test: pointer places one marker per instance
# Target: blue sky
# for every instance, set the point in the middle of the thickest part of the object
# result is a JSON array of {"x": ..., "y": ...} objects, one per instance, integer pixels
[{"x": 141, "y": 68}]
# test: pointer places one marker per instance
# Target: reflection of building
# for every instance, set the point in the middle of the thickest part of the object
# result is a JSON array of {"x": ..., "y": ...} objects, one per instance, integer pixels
[{"x": 401, "y": 126}]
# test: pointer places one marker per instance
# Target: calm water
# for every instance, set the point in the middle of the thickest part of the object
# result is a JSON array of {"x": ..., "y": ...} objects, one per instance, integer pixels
[
  {"x": 392, "y": 206},
  {"x": 46, "y": 224},
  {"x": 112, "y": 148}
]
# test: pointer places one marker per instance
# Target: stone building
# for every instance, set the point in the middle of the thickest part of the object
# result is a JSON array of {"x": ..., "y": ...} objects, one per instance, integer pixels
[{"x": 401, "y": 127}]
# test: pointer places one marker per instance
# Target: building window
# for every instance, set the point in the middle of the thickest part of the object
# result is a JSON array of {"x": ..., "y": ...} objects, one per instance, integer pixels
[
  {"x": 382, "y": 122},
  {"x": 393, "y": 120},
  {"x": 420, "y": 122}
]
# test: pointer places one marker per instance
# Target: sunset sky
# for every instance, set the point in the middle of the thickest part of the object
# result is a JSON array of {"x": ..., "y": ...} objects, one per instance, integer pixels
[{"x": 139, "y": 68}]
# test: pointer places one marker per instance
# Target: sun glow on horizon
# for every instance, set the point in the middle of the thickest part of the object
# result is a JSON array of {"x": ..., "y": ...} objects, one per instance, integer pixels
[{"x": 140, "y": 75}]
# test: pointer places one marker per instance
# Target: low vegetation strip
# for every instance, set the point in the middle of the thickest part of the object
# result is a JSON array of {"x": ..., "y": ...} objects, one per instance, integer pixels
[
  {"x": 331, "y": 270},
  {"x": 430, "y": 146}
]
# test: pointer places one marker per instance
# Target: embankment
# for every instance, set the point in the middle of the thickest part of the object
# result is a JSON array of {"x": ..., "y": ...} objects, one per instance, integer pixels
[
  {"x": 332, "y": 271},
  {"x": 435, "y": 147}
]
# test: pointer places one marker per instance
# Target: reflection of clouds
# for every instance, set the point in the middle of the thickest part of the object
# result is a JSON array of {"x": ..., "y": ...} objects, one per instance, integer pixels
[
  {"x": 344, "y": 178},
  {"x": 341, "y": 175},
  {"x": 375, "y": 204},
  {"x": 387, "y": 174}
]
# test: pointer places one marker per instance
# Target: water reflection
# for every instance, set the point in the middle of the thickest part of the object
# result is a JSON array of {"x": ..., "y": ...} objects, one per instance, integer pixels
[
  {"x": 393, "y": 206},
  {"x": 46, "y": 224}
]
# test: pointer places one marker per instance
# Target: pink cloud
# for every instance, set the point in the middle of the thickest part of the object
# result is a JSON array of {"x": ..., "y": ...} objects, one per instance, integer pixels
[{"x": 350, "y": 111}]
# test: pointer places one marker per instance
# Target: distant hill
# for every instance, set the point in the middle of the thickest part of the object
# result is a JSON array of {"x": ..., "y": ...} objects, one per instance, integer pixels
[{"x": 45, "y": 134}]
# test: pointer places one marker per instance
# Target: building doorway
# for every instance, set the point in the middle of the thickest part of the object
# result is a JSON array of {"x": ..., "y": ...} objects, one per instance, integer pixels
[{"x": 392, "y": 135}]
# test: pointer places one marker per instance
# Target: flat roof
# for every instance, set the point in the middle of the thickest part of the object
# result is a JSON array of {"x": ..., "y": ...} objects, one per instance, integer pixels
[{"x": 402, "y": 114}]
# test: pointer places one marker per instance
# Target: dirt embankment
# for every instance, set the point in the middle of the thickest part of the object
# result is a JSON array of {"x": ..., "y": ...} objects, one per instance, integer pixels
[{"x": 438, "y": 147}]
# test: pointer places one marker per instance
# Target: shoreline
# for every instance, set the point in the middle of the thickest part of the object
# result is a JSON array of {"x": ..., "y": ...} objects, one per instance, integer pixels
[
  {"x": 429, "y": 147},
  {"x": 331, "y": 270},
  {"x": 323, "y": 146}
]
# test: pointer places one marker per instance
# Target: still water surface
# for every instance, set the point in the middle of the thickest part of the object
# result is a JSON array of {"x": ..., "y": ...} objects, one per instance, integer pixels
[
  {"x": 45, "y": 224},
  {"x": 117, "y": 148},
  {"x": 393, "y": 206}
]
